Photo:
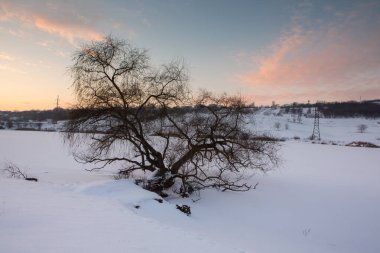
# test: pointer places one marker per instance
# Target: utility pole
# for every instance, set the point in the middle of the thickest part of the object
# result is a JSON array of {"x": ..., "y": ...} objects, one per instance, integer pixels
[
  {"x": 316, "y": 133},
  {"x": 57, "y": 103}
]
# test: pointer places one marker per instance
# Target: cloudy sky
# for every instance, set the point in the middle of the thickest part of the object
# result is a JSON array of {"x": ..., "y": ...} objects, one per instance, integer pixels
[{"x": 265, "y": 50}]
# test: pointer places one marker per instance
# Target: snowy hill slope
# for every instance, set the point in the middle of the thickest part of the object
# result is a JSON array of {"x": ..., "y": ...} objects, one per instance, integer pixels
[{"x": 339, "y": 130}]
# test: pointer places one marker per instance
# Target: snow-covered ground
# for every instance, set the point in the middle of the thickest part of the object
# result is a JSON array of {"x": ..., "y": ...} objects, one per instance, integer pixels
[{"x": 322, "y": 198}]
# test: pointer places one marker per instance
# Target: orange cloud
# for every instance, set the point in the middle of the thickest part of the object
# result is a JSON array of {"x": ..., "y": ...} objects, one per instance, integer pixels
[
  {"x": 66, "y": 27},
  {"x": 67, "y": 31}
]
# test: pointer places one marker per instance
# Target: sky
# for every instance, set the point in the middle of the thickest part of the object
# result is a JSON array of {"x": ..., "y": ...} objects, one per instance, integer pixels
[{"x": 265, "y": 50}]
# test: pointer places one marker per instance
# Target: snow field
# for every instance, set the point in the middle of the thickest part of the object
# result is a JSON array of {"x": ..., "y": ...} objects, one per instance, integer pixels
[
  {"x": 322, "y": 198},
  {"x": 37, "y": 218}
]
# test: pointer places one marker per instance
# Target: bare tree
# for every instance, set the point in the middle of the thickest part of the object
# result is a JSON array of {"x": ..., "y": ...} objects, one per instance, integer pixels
[
  {"x": 9, "y": 124},
  {"x": 39, "y": 125},
  {"x": 277, "y": 125},
  {"x": 299, "y": 115},
  {"x": 148, "y": 120},
  {"x": 362, "y": 128}
]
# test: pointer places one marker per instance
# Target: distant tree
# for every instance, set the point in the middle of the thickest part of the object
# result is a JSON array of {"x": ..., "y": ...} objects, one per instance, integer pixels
[
  {"x": 18, "y": 124},
  {"x": 277, "y": 125},
  {"x": 251, "y": 105},
  {"x": 133, "y": 107},
  {"x": 299, "y": 115},
  {"x": 362, "y": 128},
  {"x": 308, "y": 112},
  {"x": 294, "y": 117},
  {"x": 9, "y": 124},
  {"x": 39, "y": 126}
]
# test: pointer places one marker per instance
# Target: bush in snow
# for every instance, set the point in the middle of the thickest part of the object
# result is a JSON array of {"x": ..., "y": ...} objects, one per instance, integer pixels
[
  {"x": 15, "y": 172},
  {"x": 362, "y": 128}
]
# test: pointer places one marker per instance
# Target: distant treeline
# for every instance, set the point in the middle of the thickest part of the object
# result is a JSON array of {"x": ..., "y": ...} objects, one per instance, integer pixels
[
  {"x": 367, "y": 109},
  {"x": 34, "y": 115},
  {"x": 65, "y": 114}
]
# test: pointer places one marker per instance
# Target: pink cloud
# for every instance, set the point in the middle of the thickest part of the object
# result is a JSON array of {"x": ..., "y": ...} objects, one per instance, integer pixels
[
  {"x": 305, "y": 59},
  {"x": 330, "y": 59}
]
